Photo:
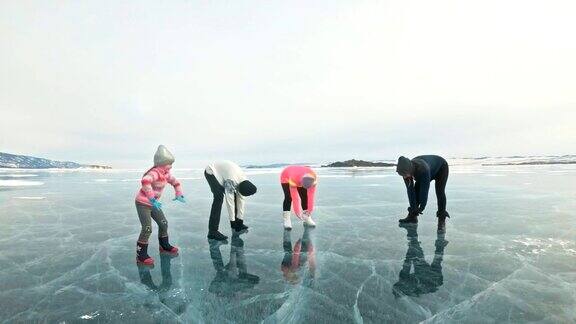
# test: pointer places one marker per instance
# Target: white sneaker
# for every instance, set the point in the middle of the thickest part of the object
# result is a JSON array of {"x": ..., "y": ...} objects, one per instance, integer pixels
[
  {"x": 287, "y": 221},
  {"x": 308, "y": 220}
]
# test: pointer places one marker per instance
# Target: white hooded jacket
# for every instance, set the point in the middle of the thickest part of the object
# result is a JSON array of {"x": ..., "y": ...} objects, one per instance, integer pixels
[{"x": 229, "y": 175}]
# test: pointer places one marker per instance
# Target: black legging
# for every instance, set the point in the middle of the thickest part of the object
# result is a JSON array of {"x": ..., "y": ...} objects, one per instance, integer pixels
[
  {"x": 218, "y": 191},
  {"x": 288, "y": 199},
  {"x": 440, "y": 182}
]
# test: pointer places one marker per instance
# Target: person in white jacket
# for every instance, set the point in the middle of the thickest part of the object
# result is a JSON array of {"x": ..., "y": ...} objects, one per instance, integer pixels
[{"x": 229, "y": 184}]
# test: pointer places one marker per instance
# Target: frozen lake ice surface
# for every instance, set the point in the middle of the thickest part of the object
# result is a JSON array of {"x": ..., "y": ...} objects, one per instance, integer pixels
[{"x": 67, "y": 251}]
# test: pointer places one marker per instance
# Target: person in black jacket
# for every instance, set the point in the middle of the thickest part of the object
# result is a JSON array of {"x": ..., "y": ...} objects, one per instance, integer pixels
[{"x": 417, "y": 174}]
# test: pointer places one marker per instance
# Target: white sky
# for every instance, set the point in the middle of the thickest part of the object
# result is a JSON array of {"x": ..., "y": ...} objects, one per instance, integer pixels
[{"x": 296, "y": 81}]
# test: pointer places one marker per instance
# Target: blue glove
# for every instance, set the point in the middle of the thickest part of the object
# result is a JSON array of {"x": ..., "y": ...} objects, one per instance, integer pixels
[
  {"x": 180, "y": 199},
  {"x": 155, "y": 203}
]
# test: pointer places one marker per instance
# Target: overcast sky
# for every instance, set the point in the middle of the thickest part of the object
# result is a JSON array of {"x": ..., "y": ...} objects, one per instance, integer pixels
[{"x": 296, "y": 81}]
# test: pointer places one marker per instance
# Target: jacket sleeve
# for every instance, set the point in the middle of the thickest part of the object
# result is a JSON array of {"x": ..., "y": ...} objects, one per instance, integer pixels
[
  {"x": 147, "y": 180},
  {"x": 424, "y": 187},
  {"x": 296, "y": 205},
  {"x": 229, "y": 194},
  {"x": 311, "y": 198},
  {"x": 240, "y": 203},
  {"x": 411, "y": 192},
  {"x": 176, "y": 184}
]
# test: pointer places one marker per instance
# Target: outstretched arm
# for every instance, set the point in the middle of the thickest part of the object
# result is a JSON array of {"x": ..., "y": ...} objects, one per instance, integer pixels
[
  {"x": 411, "y": 192},
  {"x": 424, "y": 187},
  {"x": 311, "y": 199},
  {"x": 229, "y": 194},
  {"x": 176, "y": 184},
  {"x": 240, "y": 203}
]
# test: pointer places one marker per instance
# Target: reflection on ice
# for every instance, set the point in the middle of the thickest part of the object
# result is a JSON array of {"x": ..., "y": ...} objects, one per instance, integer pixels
[
  {"x": 233, "y": 277},
  {"x": 165, "y": 266},
  {"x": 426, "y": 277},
  {"x": 300, "y": 256}
]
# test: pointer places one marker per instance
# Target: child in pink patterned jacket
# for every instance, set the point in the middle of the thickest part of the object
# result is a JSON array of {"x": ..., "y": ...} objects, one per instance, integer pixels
[{"x": 148, "y": 206}]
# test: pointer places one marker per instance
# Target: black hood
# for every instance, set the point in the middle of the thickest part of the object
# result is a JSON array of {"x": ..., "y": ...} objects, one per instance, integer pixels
[{"x": 404, "y": 166}]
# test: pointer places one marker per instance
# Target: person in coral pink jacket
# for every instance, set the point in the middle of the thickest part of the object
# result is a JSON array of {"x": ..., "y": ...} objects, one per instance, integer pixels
[
  {"x": 299, "y": 186},
  {"x": 148, "y": 206}
]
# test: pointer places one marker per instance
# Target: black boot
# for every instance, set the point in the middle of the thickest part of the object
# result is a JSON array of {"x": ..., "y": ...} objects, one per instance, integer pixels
[
  {"x": 142, "y": 254},
  {"x": 164, "y": 243},
  {"x": 215, "y": 235},
  {"x": 240, "y": 224},
  {"x": 412, "y": 218},
  {"x": 442, "y": 213},
  {"x": 237, "y": 226},
  {"x": 165, "y": 246}
]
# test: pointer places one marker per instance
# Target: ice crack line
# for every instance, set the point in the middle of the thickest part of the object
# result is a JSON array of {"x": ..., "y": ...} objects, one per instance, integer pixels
[{"x": 357, "y": 316}]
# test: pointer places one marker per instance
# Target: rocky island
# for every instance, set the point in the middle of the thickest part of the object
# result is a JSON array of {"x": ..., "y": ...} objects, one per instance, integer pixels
[{"x": 358, "y": 163}]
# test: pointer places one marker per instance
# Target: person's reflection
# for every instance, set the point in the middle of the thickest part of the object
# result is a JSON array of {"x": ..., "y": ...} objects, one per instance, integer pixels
[
  {"x": 426, "y": 278},
  {"x": 297, "y": 257},
  {"x": 234, "y": 276},
  {"x": 165, "y": 269}
]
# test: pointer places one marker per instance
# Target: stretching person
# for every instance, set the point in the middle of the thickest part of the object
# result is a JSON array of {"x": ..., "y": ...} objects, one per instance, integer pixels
[
  {"x": 148, "y": 206},
  {"x": 417, "y": 174},
  {"x": 228, "y": 183},
  {"x": 299, "y": 186}
]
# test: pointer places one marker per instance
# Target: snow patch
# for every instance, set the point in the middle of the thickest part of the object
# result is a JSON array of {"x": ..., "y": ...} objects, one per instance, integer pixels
[{"x": 19, "y": 183}]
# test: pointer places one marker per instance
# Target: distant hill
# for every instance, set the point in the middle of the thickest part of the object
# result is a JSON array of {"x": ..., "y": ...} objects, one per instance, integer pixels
[
  {"x": 358, "y": 163},
  {"x": 13, "y": 161}
]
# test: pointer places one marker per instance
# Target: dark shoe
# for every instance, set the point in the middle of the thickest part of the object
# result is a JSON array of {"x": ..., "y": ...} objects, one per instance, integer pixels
[
  {"x": 410, "y": 219},
  {"x": 443, "y": 214},
  {"x": 235, "y": 225},
  {"x": 240, "y": 225},
  {"x": 142, "y": 257},
  {"x": 165, "y": 246},
  {"x": 217, "y": 236}
]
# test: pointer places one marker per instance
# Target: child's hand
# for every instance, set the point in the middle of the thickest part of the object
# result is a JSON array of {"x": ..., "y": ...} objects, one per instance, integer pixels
[
  {"x": 155, "y": 203},
  {"x": 180, "y": 199}
]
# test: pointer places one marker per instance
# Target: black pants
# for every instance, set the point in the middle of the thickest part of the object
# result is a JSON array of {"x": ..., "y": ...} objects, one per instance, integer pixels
[
  {"x": 288, "y": 199},
  {"x": 218, "y": 192},
  {"x": 440, "y": 182}
]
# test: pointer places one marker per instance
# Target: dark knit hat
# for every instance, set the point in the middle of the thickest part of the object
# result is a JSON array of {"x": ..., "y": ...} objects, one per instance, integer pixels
[
  {"x": 246, "y": 188},
  {"x": 404, "y": 166}
]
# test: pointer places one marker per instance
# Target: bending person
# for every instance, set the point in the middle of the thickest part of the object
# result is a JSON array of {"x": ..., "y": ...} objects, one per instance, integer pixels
[
  {"x": 299, "y": 186},
  {"x": 148, "y": 206},
  {"x": 417, "y": 174},
  {"x": 228, "y": 183}
]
